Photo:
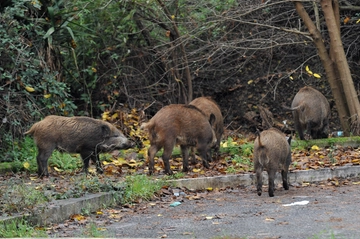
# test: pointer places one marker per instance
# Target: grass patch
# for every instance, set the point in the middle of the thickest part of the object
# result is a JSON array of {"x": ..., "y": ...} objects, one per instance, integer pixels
[
  {"x": 141, "y": 187},
  {"x": 20, "y": 197},
  {"x": 92, "y": 231},
  {"x": 20, "y": 228}
]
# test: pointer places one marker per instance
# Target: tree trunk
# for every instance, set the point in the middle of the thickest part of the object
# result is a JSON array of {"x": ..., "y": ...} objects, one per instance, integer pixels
[
  {"x": 342, "y": 65},
  {"x": 328, "y": 64}
]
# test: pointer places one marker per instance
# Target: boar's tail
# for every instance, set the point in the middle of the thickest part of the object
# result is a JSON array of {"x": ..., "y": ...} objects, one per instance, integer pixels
[
  {"x": 258, "y": 137},
  {"x": 263, "y": 159},
  {"x": 292, "y": 109},
  {"x": 31, "y": 131}
]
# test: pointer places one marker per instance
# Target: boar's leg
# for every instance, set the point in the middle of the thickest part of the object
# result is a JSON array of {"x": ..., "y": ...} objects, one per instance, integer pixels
[
  {"x": 42, "y": 161},
  {"x": 193, "y": 157},
  {"x": 90, "y": 155},
  {"x": 151, "y": 154},
  {"x": 300, "y": 130},
  {"x": 203, "y": 151},
  {"x": 99, "y": 168},
  {"x": 285, "y": 179},
  {"x": 166, "y": 158},
  {"x": 271, "y": 175},
  {"x": 259, "y": 178},
  {"x": 185, "y": 157}
]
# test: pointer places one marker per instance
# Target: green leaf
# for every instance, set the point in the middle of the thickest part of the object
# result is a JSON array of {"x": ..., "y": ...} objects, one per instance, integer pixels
[{"x": 49, "y": 32}]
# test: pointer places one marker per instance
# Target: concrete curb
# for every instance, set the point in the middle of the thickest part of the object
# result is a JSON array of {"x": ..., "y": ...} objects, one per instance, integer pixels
[
  {"x": 61, "y": 210},
  {"x": 298, "y": 176}
]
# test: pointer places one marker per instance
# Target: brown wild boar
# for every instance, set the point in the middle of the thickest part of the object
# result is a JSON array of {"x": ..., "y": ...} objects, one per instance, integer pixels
[
  {"x": 311, "y": 112},
  {"x": 83, "y": 135},
  {"x": 208, "y": 106},
  {"x": 184, "y": 125},
  {"x": 271, "y": 152}
]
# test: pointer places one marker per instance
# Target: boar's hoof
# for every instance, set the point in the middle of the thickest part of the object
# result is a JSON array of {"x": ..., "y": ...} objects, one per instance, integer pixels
[
  {"x": 168, "y": 172},
  {"x": 206, "y": 164},
  {"x": 259, "y": 193},
  {"x": 286, "y": 186},
  {"x": 99, "y": 170}
]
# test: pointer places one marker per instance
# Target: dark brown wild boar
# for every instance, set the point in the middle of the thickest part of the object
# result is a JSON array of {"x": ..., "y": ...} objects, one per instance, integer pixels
[
  {"x": 311, "y": 112},
  {"x": 184, "y": 125},
  {"x": 83, "y": 135},
  {"x": 209, "y": 106},
  {"x": 271, "y": 152}
]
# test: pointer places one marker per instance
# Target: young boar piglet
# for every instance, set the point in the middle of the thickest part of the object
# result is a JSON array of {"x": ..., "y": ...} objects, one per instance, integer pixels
[
  {"x": 184, "y": 125},
  {"x": 83, "y": 135},
  {"x": 271, "y": 152},
  {"x": 209, "y": 106},
  {"x": 311, "y": 112}
]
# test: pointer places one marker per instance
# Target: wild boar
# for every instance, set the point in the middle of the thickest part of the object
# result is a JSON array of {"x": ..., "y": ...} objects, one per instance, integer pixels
[
  {"x": 209, "y": 106},
  {"x": 311, "y": 112},
  {"x": 83, "y": 135},
  {"x": 271, "y": 152},
  {"x": 184, "y": 125}
]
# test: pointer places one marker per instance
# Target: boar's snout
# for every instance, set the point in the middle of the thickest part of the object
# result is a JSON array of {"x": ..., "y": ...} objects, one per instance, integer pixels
[{"x": 116, "y": 142}]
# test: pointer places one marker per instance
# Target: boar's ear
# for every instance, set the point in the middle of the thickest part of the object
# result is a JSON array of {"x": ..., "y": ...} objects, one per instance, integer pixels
[
  {"x": 212, "y": 119},
  {"x": 105, "y": 130}
]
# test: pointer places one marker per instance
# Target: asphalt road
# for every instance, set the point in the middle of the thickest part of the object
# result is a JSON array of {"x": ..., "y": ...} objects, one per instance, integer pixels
[{"x": 331, "y": 212}]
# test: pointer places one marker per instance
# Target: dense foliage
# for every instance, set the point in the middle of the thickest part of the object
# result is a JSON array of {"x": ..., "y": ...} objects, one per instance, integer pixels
[{"x": 86, "y": 57}]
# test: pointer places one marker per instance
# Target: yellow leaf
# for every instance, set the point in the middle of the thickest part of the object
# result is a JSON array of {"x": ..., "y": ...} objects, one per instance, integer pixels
[
  {"x": 291, "y": 78},
  {"x": 316, "y": 75},
  {"x": 357, "y": 21},
  {"x": 209, "y": 188},
  {"x": 315, "y": 147},
  {"x": 92, "y": 170},
  {"x": 77, "y": 217},
  {"x": 57, "y": 169},
  {"x": 172, "y": 17},
  {"x": 308, "y": 70},
  {"x": 132, "y": 163},
  {"x": 29, "y": 89},
  {"x": 33, "y": 178},
  {"x": 196, "y": 170},
  {"x": 47, "y": 96},
  {"x": 114, "y": 116},
  {"x": 250, "y": 82},
  {"x": 93, "y": 69},
  {"x": 26, "y": 165},
  {"x": 105, "y": 115},
  {"x": 120, "y": 162},
  {"x": 99, "y": 212},
  {"x": 209, "y": 218},
  {"x": 269, "y": 219}
]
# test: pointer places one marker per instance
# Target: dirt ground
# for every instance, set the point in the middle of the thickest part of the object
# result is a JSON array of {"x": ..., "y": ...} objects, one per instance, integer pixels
[{"x": 324, "y": 210}]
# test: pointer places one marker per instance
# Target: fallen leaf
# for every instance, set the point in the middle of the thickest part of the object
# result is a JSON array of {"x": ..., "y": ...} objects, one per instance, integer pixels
[{"x": 29, "y": 89}]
